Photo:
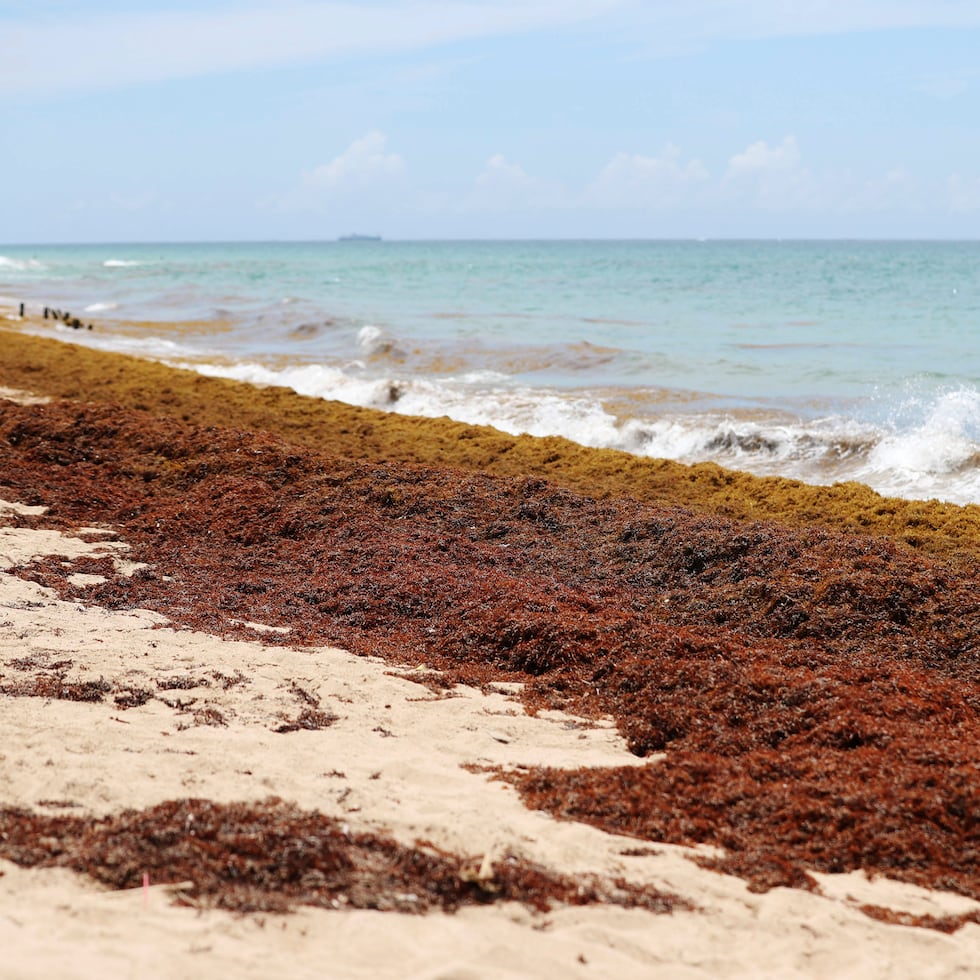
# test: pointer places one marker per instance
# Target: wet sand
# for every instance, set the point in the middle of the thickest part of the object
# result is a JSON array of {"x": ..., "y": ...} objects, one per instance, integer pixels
[{"x": 699, "y": 697}]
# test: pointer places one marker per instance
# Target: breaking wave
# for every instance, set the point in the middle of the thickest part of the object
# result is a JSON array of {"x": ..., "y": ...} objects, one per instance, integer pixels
[{"x": 937, "y": 455}]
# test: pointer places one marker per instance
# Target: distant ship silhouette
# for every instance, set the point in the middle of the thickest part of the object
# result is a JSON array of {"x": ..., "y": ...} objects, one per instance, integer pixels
[{"x": 359, "y": 238}]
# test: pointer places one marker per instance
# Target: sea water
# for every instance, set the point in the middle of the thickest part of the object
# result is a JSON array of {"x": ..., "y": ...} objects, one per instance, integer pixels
[{"x": 823, "y": 361}]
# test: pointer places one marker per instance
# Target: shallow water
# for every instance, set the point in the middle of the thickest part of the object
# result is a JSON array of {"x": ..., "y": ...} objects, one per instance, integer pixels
[{"x": 819, "y": 360}]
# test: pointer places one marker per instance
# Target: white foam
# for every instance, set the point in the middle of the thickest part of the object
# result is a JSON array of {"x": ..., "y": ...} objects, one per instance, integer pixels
[
  {"x": 372, "y": 340},
  {"x": 121, "y": 263},
  {"x": 100, "y": 307},
  {"x": 936, "y": 455},
  {"x": 942, "y": 443},
  {"x": 20, "y": 264},
  {"x": 313, "y": 380},
  {"x": 152, "y": 347},
  {"x": 919, "y": 463},
  {"x": 484, "y": 377},
  {"x": 679, "y": 438}
]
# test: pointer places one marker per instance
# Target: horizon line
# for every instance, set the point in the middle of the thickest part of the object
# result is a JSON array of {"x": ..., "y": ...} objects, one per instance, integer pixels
[{"x": 339, "y": 240}]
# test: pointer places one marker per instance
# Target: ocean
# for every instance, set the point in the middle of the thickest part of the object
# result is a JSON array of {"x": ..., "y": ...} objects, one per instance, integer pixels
[{"x": 821, "y": 361}]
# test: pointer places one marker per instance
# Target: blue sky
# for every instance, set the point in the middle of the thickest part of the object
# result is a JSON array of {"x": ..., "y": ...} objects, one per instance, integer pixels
[{"x": 254, "y": 119}]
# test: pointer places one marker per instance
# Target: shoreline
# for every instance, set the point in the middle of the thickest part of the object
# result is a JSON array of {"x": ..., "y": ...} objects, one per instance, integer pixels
[
  {"x": 497, "y": 567},
  {"x": 61, "y": 369},
  {"x": 804, "y": 375}
]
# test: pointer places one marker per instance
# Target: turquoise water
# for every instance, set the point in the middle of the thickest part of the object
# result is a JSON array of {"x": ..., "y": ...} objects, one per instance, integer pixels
[{"x": 819, "y": 360}]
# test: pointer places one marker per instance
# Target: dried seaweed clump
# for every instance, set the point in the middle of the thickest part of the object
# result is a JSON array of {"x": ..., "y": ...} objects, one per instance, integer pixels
[{"x": 272, "y": 856}]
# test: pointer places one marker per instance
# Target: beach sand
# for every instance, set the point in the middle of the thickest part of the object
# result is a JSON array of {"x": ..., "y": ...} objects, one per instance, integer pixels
[{"x": 240, "y": 713}]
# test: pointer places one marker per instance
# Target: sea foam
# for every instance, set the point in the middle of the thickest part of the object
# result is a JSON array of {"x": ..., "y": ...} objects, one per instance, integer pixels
[
  {"x": 941, "y": 449},
  {"x": 20, "y": 264},
  {"x": 157, "y": 348},
  {"x": 938, "y": 458}
]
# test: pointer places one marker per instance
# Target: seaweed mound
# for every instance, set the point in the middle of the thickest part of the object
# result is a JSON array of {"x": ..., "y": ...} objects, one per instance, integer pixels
[{"x": 813, "y": 693}]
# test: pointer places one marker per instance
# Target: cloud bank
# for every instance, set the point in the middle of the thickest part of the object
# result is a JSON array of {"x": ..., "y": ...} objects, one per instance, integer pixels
[
  {"x": 50, "y": 55},
  {"x": 762, "y": 177},
  {"x": 50, "y": 51}
]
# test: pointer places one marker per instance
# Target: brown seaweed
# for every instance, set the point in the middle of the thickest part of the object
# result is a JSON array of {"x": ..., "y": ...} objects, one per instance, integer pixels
[
  {"x": 815, "y": 692},
  {"x": 271, "y": 856}
]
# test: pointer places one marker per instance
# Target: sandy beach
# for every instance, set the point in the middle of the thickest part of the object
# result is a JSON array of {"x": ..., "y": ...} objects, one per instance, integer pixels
[{"x": 617, "y": 716}]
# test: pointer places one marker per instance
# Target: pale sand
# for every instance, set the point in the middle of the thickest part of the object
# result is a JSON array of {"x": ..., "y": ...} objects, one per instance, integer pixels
[{"x": 391, "y": 762}]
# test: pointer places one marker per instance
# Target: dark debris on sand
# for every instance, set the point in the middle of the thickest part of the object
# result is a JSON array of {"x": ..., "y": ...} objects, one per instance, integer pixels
[{"x": 271, "y": 856}]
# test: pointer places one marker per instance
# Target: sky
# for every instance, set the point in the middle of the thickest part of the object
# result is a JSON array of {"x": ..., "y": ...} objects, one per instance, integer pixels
[{"x": 223, "y": 120}]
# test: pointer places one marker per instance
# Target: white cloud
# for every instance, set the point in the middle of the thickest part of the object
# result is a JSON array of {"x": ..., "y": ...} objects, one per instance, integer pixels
[
  {"x": 666, "y": 27},
  {"x": 67, "y": 53},
  {"x": 364, "y": 180},
  {"x": 368, "y": 182},
  {"x": 772, "y": 178},
  {"x": 779, "y": 17},
  {"x": 506, "y": 186},
  {"x": 760, "y": 159},
  {"x": 502, "y": 175},
  {"x": 362, "y": 164},
  {"x": 631, "y": 179},
  {"x": 49, "y": 49}
]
